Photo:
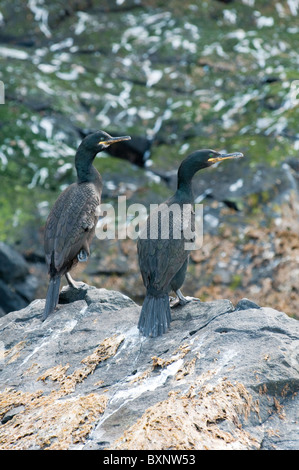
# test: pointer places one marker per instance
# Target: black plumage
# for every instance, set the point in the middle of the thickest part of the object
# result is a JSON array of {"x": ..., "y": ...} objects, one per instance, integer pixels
[
  {"x": 163, "y": 261},
  {"x": 71, "y": 224}
]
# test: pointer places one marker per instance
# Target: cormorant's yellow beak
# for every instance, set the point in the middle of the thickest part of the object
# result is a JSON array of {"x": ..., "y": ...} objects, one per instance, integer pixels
[
  {"x": 113, "y": 140},
  {"x": 225, "y": 156}
]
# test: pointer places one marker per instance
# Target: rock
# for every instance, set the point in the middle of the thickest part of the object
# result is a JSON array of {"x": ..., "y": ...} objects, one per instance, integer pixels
[
  {"x": 220, "y": 378},
  {"x": 10, "y": 300},
  {"x": 244, "y": 304},
  {"x": 12, "y": 264},
  {"x": 27, "y": 287},
  {"x": 136, "y": 150},
  {"x": 239, "y": 185},
  {"x": 68, "y": 294},
  {"x": 2, "y": 312},
  {"x": 17, "y": 285}
]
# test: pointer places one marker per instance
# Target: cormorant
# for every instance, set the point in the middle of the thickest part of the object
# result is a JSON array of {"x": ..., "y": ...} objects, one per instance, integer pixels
[
  {"x": 163, "y": 261},
  {"x": 71, "y": 223}
]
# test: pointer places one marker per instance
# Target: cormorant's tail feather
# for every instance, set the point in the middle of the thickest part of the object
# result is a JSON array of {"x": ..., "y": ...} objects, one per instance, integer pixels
[
  {"x": 155, "y": 316},
  {"x": 52, "y": 296}
]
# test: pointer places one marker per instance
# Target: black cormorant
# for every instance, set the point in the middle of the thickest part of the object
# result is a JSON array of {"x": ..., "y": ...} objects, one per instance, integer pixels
[
  {"x": 71, "y": 223},
  {"x": 163, "y": 261}
]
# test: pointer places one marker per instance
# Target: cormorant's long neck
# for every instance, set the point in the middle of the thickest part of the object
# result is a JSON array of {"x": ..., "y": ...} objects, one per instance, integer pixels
[
  {"x": 184, "y": 187},
  {"x": 86, "y": 172}
]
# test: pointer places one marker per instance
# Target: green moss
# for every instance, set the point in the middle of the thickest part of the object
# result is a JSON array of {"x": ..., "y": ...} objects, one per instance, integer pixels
[
  {"x": 17, "y": 209},
  {"x": 195, "y": 80},
  {"x": 236, "y": 282}
]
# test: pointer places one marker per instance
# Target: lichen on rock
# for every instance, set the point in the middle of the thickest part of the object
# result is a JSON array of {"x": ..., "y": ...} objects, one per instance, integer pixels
[{"x": 55, "y": 420}]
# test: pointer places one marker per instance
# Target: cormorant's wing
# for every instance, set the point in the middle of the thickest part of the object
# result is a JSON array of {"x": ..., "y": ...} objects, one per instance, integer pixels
[
  {"x": 70, "y": 222},
  {"x": 160, "y": 259}
]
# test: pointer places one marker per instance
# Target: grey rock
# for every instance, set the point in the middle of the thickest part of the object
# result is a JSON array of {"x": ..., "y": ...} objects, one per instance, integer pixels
[
  {"x": 227, "y": 183},
  {"x": 68, "y": 294},
  {"x": 12, "y": 264},
  {"x": 11, "y": 413},
  {"x": 9, "y": 299},
  {"x": 244, "y": 304},
  {"x": 93, "y": 343},
  {"x": 17, "y": 285},
  {"x": 27, "y": 287}
]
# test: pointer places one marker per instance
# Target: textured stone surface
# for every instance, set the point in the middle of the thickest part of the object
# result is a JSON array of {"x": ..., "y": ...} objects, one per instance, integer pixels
[{"x": 223, "y": 377}]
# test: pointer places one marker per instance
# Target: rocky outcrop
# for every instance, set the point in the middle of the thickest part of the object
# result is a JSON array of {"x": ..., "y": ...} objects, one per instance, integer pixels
[
  {"x": 223, "y": 377},
  {"x": 17, "y": 284}
]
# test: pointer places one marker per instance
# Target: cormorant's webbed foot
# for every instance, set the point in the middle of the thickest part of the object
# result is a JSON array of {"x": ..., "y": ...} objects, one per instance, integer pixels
[
  {"x": 72, "y": 283},
  {"x": 82, "y": 256},
  {"x": 181, "y": 300}
]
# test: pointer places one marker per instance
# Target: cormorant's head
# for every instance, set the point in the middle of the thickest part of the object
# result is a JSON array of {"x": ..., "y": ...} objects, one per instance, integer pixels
[
  {"x": 199, "y": 160},
  {"x": 100, "y": 140},
  {"x": 207, "y": 157}
]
